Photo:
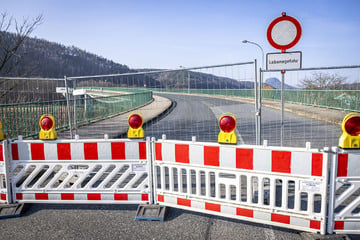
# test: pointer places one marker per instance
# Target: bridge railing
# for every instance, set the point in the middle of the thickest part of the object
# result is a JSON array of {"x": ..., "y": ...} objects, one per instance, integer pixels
[{"x": 24, "y": 100}]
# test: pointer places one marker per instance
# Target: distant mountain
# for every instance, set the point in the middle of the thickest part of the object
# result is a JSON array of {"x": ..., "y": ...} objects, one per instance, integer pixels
[{"x": 275, "y": 83}]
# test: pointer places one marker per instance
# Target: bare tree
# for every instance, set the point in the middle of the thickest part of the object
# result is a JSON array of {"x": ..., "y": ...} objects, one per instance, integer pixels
[
  {"x": 10, "y": 43},
  {"x": 323, "y": 81}
]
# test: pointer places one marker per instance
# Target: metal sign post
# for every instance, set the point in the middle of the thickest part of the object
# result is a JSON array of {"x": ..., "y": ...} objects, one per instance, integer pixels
[{"x": 283, "y": 33}]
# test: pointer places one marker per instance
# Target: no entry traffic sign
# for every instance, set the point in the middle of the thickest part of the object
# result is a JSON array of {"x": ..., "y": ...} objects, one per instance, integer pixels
[{"x": 284, "y": 32}]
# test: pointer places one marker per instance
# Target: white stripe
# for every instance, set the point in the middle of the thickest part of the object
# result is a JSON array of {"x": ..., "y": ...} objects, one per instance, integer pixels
[
  {"x": 228, "y": 157},
  {"x": 104, "y": 150},
  {"x": 131, "y": 150},
  {"x": 24, "y": 151},
  {"x": 50, "y": 151},
  {"x": 168, "y": 152},
  {"x": 301, "y": 163},
  {"x": 196, "y": 154},
  {"x": 262, "y": 160},
  {"x": 353, "y": 164},
  {"x": 77, "y": 151}
]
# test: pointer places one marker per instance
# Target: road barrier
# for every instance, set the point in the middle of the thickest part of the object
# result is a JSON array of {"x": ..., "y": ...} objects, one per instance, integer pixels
[
  {"x": 344, "y": 202},
  {"x": 78, "y": 171},
  {"x": 280, "y": 186}
]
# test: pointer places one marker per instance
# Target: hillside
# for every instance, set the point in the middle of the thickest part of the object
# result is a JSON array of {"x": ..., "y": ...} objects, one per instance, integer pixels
[{"x": 44, "y": 59}]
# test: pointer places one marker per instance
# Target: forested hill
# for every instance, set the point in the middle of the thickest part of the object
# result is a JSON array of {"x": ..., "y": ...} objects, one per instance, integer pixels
[{"x": 42, "y": 58}]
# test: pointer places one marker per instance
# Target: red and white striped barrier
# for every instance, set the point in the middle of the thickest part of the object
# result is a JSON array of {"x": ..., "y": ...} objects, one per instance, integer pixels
[
  {"x": 279, "y": 186},
  {"x": 75, "y": 171},
  {"x": 344, "y": 202},
  {"x": 270, "y": 160}
]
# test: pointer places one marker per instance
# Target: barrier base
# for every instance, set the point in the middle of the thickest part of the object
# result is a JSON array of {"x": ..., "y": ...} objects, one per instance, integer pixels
[
  {"x": 10, "y": 210},
  {"x": 151, "y": 213}
]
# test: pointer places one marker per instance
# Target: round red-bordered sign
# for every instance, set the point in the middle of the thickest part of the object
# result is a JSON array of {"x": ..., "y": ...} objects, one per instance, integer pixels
[{"x": 284, "y": 32}]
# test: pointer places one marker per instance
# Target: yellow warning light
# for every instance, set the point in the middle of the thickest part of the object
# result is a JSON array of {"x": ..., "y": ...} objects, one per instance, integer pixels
[
  {"x": 2, "y": 136},
  {"x": 227, "y": 124},
  {"x": 135, "y": 122},
  {"x": 47, "y": 125},
  {"x": 350, "y": 127}
]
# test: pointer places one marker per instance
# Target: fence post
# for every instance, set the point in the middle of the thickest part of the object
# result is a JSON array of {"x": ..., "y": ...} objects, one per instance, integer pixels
[
  {"x": 68, "y": 106},
  {"x": 332, "y": 185}
]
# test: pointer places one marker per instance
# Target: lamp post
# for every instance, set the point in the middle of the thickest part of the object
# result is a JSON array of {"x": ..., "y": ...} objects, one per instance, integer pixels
[{"x": 258, "y": 103}]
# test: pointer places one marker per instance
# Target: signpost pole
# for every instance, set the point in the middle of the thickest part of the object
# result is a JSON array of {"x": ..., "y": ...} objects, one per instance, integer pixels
[{"x": 282, "y": 107}]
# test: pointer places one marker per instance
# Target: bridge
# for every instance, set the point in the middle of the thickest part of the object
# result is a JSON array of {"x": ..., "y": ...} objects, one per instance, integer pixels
[{"x": 180, "y": 114}]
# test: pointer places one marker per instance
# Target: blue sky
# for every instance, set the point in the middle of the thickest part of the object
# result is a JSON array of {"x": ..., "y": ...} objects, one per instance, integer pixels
[{"x": 167, "y": 34}]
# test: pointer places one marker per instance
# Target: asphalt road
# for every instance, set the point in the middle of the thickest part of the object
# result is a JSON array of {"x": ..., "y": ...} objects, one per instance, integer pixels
[
  {"x": 197, "y": 116},
  {"x": 192, "y": 116}
]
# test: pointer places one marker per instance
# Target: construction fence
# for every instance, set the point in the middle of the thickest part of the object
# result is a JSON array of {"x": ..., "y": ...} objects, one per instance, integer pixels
[{"x": 194, "y": 98}]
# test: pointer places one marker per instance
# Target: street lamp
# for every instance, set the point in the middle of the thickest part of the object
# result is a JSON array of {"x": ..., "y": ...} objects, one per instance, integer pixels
[
  {"x": 258, "y": 103},
  {"x": 262, "y": 51}
]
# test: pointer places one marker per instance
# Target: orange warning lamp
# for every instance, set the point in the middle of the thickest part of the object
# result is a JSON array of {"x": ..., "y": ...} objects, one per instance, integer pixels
[
  {"x": 135, "y": 122},
  {"x": 2, "y": 136},
  {"x": 47, "y": 125},
  {"x": 227, "y": 124},
  {"x": 350, "y": 127}
]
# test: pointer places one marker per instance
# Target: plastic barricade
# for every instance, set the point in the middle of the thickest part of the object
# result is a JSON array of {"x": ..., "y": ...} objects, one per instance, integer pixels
[
  {"x": 81, "y": 171},
  {"x": 278, "y": 186}
]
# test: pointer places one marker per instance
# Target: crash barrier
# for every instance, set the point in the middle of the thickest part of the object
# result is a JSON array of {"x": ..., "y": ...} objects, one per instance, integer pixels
[
  {"x": 79, "y": 171},
  {"x": 284, "y": 187},
  {"x": 344, "y": 202}
]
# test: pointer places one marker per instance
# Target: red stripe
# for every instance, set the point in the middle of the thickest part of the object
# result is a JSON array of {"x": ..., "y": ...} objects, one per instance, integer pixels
[
  {"x": 1, "y": 153},
  {"x": 280, "y": 218},
  {"x": 94, "y": 196},
  {"x": 144, "y": 197},
  {"x": 211, "y": 156},
  {"x": 315, "y": 224},
  {"x": 339, "y": 225},
  {"x": 281, "y": 161},
  {"x": 120, "y": 197},
  {"x": 41, "y": 196},
  {"x": 67, "y": 196},
  {"x": 342, "y": 167},
  {"x": 142, "y": 150},
  {"x": 161, "y": 198},
  {"x": 37, "y": 151},
  {"x": 184, "y": 202},
  {"x": 244, "y": 158},
  {"x": 182, "y": 153},
  {"x": 19, "y": 196},
  {"x": 14, "y": 151},
  {"x": 213, "y": 207},
  {"x": 64, "y": 151},
  {"x": 316, "y": 164},
  {"x": 245, "y": 212},
  {"x": 91, "y": 151},
  {"x": 158, "y": 152},
  {"x": 3, "y": 197},
  {"x": 118, "y": 151}
]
